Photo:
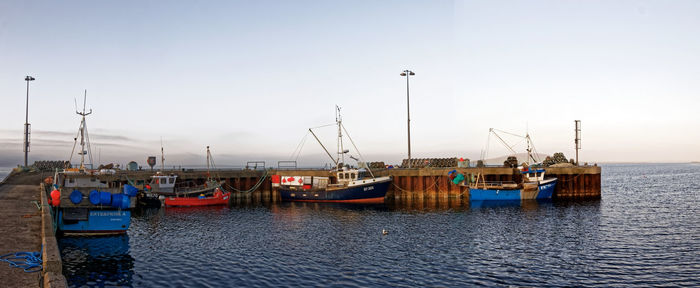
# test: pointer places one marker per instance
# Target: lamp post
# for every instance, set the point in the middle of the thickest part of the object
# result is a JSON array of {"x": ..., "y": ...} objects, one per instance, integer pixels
[
  {"x": 408, "y": 73},
  {"x": 26, "y": 122}
]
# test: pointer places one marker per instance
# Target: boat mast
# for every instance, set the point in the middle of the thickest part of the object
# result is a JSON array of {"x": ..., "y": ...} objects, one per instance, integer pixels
[
  {"x": 162, "y": 156},
  {"x": 84, "y": 139},
  {"x": 339, "y": 121},
  {"x": 529, "y": 150},
  {"x": 208, "y": 173}
]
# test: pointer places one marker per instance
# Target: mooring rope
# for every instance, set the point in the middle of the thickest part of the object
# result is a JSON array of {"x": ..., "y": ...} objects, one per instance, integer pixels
[
  {"x": 28, "y": 261},
  {"x": 255, "y": 187}
]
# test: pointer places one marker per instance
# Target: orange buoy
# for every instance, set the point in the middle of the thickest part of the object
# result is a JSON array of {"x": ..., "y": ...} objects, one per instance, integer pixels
[{"x": 55, "y": 197}]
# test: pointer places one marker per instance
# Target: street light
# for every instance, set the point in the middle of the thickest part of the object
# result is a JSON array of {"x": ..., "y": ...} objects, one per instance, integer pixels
[
  {"x": 408, "y": 73},
  {"x": 26, "y": 123}
]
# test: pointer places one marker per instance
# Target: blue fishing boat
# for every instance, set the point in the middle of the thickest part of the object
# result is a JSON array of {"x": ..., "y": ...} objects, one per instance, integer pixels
[
  {"x": 90, "y": 201},
  {"x": 343, "y": 184},
  {"x": 533, "y": 186}
]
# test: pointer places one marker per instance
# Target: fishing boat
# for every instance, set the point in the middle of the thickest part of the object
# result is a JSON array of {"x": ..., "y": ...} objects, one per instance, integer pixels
[
  {"x": 533, "y": 186},
  {"x": 164, "y": 186},
  {"x": 208, "y": 194},
  {"x": 90, "y": 201},
  {"x": 343, "y": 184},
  {"x": 219, "y": 198}
]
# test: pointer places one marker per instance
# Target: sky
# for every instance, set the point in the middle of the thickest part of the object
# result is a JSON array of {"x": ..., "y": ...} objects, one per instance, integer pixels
[{"x": 248, "y": 78}]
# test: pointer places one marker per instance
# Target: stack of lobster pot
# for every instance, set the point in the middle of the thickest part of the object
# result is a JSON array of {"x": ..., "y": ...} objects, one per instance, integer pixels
[
  {"x": 50, "y": 165},
  {"x": 431, "y": 162}
]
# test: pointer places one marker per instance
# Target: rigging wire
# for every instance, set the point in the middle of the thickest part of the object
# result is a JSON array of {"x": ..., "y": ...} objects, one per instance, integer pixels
[
  {"x": 75, "y": 142},
  {"x": 87, "y": 138},
  {"x": 358, "y": 151},
  {"x": 300, "y": 146},
  {"x": 532, "y": 151},
  {"x": 327, "y": 125}
]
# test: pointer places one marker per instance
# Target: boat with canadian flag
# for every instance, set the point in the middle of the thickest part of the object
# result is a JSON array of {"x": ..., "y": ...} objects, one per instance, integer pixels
[{"x": 342, "y": 184}]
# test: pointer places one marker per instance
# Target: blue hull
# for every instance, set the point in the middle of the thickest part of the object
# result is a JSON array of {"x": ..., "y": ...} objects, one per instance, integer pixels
[
  {"x": 98, "y": 222},
  {"x": 368, "y": 193},
  {"x": 545, "y": 191}
]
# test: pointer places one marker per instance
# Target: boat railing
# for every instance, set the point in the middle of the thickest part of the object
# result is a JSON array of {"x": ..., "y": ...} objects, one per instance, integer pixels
[
  {"x": 495, "y": 184},
  {"x": 205, "y": 187}
]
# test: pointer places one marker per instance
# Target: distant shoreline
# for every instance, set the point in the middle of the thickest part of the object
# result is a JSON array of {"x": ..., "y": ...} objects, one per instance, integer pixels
[{"x": 613, "y": 162}]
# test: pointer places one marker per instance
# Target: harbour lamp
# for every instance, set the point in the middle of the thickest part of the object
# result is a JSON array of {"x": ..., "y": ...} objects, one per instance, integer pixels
[
  {"x": 408, "y": 73},
  {"x": 26, "y": 123}
]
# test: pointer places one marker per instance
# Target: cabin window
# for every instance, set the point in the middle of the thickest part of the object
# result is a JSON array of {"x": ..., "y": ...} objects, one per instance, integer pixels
[
  {"x": 71, "y": 180},
  {"x": 172, "y": 180},
  {"x": 340, "y": 175},
  {"x": 352, "y": 175}
]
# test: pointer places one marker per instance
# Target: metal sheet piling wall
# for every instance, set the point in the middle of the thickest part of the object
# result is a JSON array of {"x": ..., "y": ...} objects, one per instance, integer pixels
[{"x": 581, "y": 182}]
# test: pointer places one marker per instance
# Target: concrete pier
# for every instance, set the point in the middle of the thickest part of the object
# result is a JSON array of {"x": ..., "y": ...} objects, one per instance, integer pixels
[{"x": 24, "y": 228}]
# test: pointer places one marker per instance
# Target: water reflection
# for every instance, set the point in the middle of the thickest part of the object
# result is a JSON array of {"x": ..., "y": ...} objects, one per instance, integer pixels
[
  {"x": 97, "y": 261},
  {"x": 642, "y": 233},
  {"x": 415, "y": 204}
]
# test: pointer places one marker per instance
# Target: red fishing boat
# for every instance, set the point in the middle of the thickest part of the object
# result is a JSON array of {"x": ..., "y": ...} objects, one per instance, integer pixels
[{"x": 219, "y": 198}]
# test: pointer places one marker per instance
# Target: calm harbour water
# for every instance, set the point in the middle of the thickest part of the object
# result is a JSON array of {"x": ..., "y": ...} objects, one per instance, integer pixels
[{"x": 644, "y": 232}]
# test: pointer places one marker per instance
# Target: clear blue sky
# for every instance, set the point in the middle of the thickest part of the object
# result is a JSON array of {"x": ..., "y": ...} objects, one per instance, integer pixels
[{"x": 249, "y": 77}]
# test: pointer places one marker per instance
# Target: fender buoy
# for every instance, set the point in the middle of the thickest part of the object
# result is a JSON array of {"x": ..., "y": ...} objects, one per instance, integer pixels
[
  {"x": 105, "y": 198},
  {"x": 76, "y": 197},
  {"x": 55, "y": 198},
  {"x": 120, "y": 201},
  {"x": 94, "y": 197}
]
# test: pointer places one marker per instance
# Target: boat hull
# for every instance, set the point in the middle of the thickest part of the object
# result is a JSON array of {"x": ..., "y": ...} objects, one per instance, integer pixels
[
  {"x": 95, "y": 222},
  {"x": 368, "y": 193},
  {"x": 544, "y": 190},
  {"x": 196, "y": 201}
]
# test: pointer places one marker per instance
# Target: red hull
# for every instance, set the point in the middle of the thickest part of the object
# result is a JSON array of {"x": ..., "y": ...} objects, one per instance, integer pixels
[{"x": 196, "y": 201}]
